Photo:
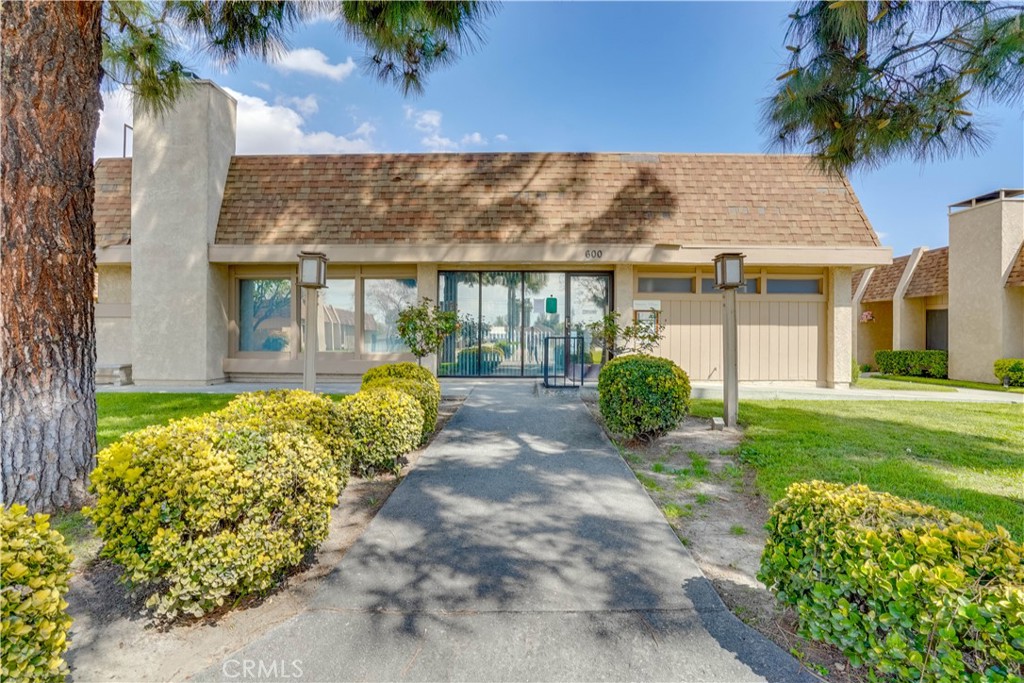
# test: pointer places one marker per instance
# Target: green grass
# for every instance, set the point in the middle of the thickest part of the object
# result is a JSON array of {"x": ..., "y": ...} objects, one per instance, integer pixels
[
  {"x": 120, "y": 413},
  {"x": 964, "y": 457},
  {"x": 737, "y": 530},
  {"x": 963, "y": 384},
  {"x": 648, "y": 482},
  {"x": 896, "y": 385}
]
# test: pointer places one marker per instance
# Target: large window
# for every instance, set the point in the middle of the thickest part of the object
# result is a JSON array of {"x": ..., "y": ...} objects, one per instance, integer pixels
[
  {"x": 338, "y": 315},
  {"x": 665, "y": 285},
  {"x": 265, "y": 314},
  {"x": 794, "y": 286},
  {"x": 383, "y": 300}
]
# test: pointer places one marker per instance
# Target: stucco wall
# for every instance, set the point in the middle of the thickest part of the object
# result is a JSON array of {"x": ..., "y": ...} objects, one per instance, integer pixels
[
  {"x": 983, "y": 314},
  {"x": 875, "y": 335},
  {"x": 180, "y": 301},
  {"x": 113, "y": 315}
]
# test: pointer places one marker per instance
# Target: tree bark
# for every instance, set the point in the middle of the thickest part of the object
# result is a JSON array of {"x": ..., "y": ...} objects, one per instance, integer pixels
[{"x": 50, "y": 99}]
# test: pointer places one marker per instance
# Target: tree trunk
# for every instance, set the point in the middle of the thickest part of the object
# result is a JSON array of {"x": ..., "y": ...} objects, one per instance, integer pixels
[{"x": 50, "y": 100}]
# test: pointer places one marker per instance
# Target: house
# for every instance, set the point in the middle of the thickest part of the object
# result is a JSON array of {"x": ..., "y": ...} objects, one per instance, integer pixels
[
  {"x": 966, "y": 298},
  {"x": 197, "y": 253}
]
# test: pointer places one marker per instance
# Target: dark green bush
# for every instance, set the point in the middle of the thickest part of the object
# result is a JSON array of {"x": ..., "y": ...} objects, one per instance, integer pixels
[
  {"x": 35, "y": 565},
  {"x": 384, "y": 424},
  {"x": 1012, "y": 368},
  {"x": 490, "y": 358},
  {"x": 913, "y": 363},
  {"x": 912, "y": 592},
  {"x": 641, "y": 396},
  {"x": 505, "y": 347},
  {"x": 865, "y": 367},
  {"x": 428, "y": 397}
]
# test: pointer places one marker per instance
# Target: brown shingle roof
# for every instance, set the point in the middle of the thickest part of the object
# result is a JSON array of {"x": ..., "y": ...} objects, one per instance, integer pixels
[
  {"x": 537, "y": 198},
  {"x": 884, "y": 280},
  {"x": 693, "y": 199},
  {"x": 1016, "y": 276},
  {"x": 931, "y": 276},
  {"x": 112, "y": 210}
]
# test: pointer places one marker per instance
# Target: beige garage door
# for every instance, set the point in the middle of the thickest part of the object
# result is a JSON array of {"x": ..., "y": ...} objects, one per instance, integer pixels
[{"x": 779, "y": 339}]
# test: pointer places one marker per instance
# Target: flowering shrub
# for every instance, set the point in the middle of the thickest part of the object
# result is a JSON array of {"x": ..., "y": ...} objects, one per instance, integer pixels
[{"x": 867, "y": 317}]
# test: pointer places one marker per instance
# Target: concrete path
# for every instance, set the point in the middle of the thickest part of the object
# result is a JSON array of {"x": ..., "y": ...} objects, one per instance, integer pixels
[{"x": 519, "y": 548}]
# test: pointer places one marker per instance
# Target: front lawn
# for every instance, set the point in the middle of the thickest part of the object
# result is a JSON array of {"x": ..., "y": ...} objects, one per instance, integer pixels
[
  {"x": 118, "y": 414},
  {"x": 963, "y": 384},
  {"x": 895, "y": 385},
  {"x": 964, "y": 457}
]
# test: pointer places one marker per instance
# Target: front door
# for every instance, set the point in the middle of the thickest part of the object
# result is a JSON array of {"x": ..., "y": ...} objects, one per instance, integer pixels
[{"x": 589, "y": 297}]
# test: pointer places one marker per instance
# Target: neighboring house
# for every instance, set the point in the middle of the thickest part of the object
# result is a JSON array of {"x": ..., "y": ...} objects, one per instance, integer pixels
[
  {"x": 194, "y": 241},
  {"x": 967, "y": 298}
]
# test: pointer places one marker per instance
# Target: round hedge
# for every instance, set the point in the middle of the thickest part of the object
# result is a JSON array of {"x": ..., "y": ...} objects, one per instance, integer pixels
[
  {"x": 384, "y": 424},
  {"x": 402, "y": 371},
  {"x": 321, "y": 415},
  {"x": 35, "y": 566},
  {"x": 206, "y": 509},
  {"x": 428, "y": 398},
  {"x": 641, "y": 396}
]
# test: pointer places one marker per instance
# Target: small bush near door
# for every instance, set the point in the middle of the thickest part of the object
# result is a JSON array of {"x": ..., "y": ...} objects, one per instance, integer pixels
[
  {"x": 384, "y": 424},
  {"x": 401, "y": 371},
  {"x": 912, "y": 592},
  {"x": 425, "y": 394},
  {"x": 913, "y": 363},
  {"x": 35, "y": 568},
  {"x": 1010, "y": 370},
  {"x": 641, "y": 396},
  {"x": 204, "y": 510}
]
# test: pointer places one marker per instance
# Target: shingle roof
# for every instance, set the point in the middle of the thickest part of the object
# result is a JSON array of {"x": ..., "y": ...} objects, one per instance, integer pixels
[
  {"x": 1016, "y": 276},
  {"x": 112, "y": 210},
  {"x": 931, "y": 276},
  {"x": 884, "y": 280},
  {"x": 692, "y": 199}
]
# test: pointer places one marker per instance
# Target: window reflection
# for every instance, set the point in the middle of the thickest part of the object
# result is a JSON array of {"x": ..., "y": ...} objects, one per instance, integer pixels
[{"x": 265, "y": 313}]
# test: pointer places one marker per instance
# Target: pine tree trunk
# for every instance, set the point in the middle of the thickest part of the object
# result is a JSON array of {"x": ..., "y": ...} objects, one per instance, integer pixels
[{"x": 50, "y": 100}]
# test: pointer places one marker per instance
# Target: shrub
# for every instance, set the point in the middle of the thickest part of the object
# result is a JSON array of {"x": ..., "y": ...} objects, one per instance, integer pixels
[
  {"x": 384, "y": 424},
  {"x": 911, "y": 591},
  {"x": 865, "y": 367},
  {"x": 913, "y": 363},
  {"x": 401, "y": 371},
  {"x": 641, "y": 396},
  {"x": 854, "y": 371},
  {"x": 322, "y": 416},
  {"x": 206, "y": 509},
  {"x": 35, "y": 570},
  {"x": 505, "y": 346},
  {"x": 1012, "y": 368},
  {"x": 425, "y": 394}
]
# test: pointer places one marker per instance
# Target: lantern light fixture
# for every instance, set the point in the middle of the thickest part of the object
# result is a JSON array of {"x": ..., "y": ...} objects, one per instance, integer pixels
[
  {"x": 729, "y": 271},
  {"x": 312, "y": 269}
]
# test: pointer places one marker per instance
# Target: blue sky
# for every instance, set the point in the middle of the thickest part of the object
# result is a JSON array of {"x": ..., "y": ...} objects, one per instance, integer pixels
[{"x": 668, "y": 77}]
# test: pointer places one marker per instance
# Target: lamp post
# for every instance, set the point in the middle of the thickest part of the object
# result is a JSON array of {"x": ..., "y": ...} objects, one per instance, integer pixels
[
  {"x": 312, "y": 278},
  {"x": 729, "y": 278}
]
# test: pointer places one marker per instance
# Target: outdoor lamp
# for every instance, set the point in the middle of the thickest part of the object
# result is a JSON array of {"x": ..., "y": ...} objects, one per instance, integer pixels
[
  {"x": 312, "y": 278},
  {"x": 312, "y": 269},
  {"x": 729, "y": 278},
  {"x": 729, "y": 271}
]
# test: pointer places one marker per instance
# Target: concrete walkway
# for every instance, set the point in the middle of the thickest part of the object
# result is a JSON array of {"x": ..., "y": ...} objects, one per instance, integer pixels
[{"x": 519, "y": 548}]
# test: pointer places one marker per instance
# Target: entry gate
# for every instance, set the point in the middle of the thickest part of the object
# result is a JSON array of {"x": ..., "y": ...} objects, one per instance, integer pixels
[{"x": 565, "y": 363}]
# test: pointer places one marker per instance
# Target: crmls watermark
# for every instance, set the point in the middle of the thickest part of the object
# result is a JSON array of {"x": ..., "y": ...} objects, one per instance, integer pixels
[{"x": 258, "y": 669}]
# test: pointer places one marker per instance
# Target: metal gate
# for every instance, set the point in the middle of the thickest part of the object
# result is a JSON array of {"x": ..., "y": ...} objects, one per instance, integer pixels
[{"x": 565, "y": 364}]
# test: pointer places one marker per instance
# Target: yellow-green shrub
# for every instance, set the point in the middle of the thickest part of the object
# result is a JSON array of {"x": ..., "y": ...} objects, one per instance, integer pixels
[
  {"x": 428, "y": 398},
  {"x": 35, "y": 566},
  {"x": 207, "y": 509},
  {"x": 279, "y": 407},
  {"x": 384, "y": 424},
  {"x": 641, "y": 396},
  {"x": 913, "y": 592},
  {"x": 402, "y": 371}
]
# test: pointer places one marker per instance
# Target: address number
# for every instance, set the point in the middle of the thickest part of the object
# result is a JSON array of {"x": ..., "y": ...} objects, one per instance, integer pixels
[{"x": 593, "y": 254}]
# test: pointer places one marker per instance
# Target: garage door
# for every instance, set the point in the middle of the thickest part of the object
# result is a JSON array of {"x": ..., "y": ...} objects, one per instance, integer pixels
[{"x": 779, "y": 339}]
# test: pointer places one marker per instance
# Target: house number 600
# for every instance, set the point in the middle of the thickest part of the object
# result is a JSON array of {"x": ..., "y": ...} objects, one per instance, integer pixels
[{"x": 593, "y": 253}]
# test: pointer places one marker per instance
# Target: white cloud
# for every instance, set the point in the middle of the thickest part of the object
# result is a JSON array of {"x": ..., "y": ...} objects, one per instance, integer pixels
[
  {"x": 261, "y": 85},
  {"x": 117, "y": 111},
  {"x": 501, "y": 137},
  {"x": 473, "y": 139},
  {"x": 426, "y": 121},
  {"x": 438, "y": 143},
  {"x": 306, "y": 105},
  {"x": 309, "y": 60},
  {"x": 263, "y": 128},
  {"x": 882, "y": 236}
]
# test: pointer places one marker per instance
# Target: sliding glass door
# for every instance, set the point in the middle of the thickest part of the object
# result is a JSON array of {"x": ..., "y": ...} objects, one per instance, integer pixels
[{"x": 504, "y": 317}]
